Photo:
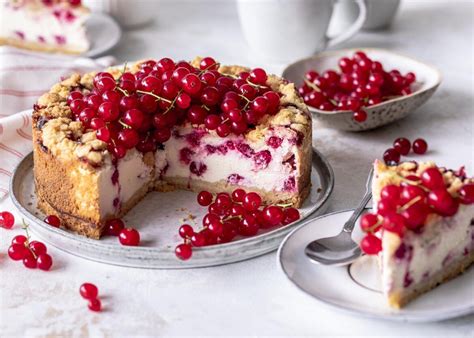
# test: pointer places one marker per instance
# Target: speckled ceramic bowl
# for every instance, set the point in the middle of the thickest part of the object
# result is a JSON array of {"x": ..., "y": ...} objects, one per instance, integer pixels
[{"x": 428, "y": 79}]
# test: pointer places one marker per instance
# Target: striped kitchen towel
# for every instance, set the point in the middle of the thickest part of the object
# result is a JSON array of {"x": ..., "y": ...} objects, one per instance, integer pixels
[{"x": 24, "y": 76}]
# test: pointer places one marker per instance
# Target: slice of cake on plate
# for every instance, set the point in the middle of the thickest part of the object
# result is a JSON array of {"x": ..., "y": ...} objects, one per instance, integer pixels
[
  {"x": 102, "y": 141},
  {"x": 44, "y": 25},
  {"x": 422, "y": 228}
]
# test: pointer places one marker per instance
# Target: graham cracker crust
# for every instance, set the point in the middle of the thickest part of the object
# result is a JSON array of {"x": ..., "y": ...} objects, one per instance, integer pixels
[{"x": 400, "y": 299}]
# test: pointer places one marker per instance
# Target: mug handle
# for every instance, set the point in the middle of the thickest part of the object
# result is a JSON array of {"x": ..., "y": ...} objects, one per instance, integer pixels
[{"x": 354, "y": 28}]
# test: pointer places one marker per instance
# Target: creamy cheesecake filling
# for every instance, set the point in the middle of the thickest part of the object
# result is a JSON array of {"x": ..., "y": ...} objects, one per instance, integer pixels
[
  {"x": 416, "y": 257},
  {"x": 118, "y": 183},
  {"x": 56, "y": 25},
  {"x": 269, "y": 164}
]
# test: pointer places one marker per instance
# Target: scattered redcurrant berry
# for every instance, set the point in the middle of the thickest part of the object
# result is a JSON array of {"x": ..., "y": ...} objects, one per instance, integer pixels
[{"x": 420, "y": 146}]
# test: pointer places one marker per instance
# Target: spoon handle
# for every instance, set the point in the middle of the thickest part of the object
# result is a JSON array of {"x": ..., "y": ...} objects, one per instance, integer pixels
[{"x": 349, "y": 225}]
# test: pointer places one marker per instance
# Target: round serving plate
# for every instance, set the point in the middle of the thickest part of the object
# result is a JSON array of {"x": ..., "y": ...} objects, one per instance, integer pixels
[
  {"x": 356, "y": 288},
  {"x": 157, "y": 218},
  {"x": 103, "y": 33}
]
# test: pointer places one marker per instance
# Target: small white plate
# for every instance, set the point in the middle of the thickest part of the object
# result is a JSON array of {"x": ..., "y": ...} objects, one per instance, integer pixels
[
  {"x": 356, "y": 288},
  {"x": 103, "y": 33},
  {"x": 157, "y": 218}
]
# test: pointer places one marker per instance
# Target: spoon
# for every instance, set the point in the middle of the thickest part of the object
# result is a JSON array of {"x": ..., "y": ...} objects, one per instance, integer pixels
[{"x": 341, "y": 249}]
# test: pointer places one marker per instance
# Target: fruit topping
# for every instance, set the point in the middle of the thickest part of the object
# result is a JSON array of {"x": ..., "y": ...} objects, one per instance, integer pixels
[
  {"x": 139, "y": 110},
  {"x": 361, "y": 82}
]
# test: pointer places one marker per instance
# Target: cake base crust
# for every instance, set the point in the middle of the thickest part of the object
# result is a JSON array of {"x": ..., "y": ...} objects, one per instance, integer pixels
[
  {"x": 38, "y": 47},
  {"x": 400, "y": 299}
]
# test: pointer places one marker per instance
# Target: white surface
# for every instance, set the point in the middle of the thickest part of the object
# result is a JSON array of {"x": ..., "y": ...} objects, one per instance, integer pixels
[
  {"x": 350, "y": 289},
  {"x": 253, "y": 297}
]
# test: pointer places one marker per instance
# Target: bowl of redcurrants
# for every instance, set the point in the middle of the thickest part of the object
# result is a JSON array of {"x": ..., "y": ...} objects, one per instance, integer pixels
[{"x": 362, "y": 89}]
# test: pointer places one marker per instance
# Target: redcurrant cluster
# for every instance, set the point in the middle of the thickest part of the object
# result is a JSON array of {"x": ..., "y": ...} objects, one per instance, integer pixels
[
  {"x": 90, "y": 292},
  {"x": 362, "y": 82},
  {"x": 127, "y": 236},
  {"x": 139, "y": 110},
  {"x": 402, "y": 146},
  {"x": 32, "y": 253},
  {"x": 229, "y": 215},
  {"x": 408, "y": 205}
]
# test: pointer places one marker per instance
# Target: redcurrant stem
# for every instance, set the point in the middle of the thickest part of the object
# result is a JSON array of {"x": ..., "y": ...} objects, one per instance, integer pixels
[
  {"x": 409, "y": 204},
  {"x": 224, "y": 121},
  {"x": 123, "y": 124},
  {"x": 254, "y": 84},
  {"x": 244, "y": 98},
  {"x": 123, "y": 91},
  {"x": 205, "y": 107},
  {"x": 376, "y": 225},
  {"x": 312, "y": 85},
  {"x": 27, "y": 242},
  {"x": 154, "y": 95}
]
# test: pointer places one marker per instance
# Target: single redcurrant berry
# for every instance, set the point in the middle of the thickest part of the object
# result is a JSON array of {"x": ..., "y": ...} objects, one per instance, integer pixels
[
  {"x": 44, "y": 262},
  {"x": 17, "y": 251},
  {"x": 38, "y": 248},
  {"x": 19, "y": 239},
  {"x": 420, "y": 146},
  {"x": 432, "y": 178},
  {"x": 184, "y": 251},
  {"x": 113, "y": 227},
  {"x": 204, "y": 198},
  {"x": 7, "y": 220},
  {"x": 273, "y": 215},
  {"x": 198, "y": 239},
  {"x": 129, "y": 237},
  {"x": 466, "y": 193},
  {"x": 88, "y": 291},
  {"x": 238, "y": 195},
  {"x": 391, "y": 156},
  {"x": 371, "y": 245},
  {"x": 30, "y": 262},
  {"x": 53, "y": 220},
  {"x": 252, "y": 201},
  {"x": 402, "y": 145},
  {"x": 94, "y": 305},
  {"x": 186, "y": 231}
]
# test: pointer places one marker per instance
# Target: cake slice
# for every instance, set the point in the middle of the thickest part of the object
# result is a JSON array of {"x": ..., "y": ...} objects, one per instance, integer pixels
[
  {"x": 102, "y": 141},
  {"x": 422, "y": 228},
  {"x": 44, "y": 25}
]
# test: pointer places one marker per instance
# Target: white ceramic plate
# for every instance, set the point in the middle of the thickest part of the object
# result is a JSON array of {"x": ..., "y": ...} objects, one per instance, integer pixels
[
  {"x": 158, "y": 218},
  {"x": 103, "y": 33},
  {"x": 428, "y": 79},
  {"x": 356, "y": 289}
]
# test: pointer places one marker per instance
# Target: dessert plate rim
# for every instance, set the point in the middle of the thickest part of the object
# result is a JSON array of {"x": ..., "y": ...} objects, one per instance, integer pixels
[
  {"x": 107, "y": 25},
  {"x": 162, "y": 258},
  {"x": 406, "y": 314}
]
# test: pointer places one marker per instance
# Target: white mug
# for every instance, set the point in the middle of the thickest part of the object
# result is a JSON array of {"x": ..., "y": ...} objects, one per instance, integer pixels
[
  {"x": 127, "y": 13},
  {"x": 380, "y": 14},
  {"x": 284, "y": 30}
]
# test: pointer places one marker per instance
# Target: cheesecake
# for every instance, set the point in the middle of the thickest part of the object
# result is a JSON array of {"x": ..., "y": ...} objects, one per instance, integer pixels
[
  {"x": 44, "y": 25},
  {"x": 103, "y": 140},
  {"x": 422, "y": 228}
]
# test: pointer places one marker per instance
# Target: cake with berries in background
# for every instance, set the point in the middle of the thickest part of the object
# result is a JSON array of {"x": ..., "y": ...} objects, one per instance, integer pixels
[
  {"x": 44, "y": 25},
  {"x": 422, "y": 228},
  {"x": 103, "y": 140}
]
